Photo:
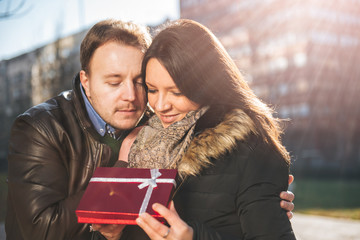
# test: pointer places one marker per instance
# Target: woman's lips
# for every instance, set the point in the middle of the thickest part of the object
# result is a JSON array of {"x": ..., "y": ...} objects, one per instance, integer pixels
[{"x": 168, "y": 118}]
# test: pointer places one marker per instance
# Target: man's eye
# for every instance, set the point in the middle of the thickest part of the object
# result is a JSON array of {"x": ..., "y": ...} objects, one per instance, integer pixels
[{"x": 114, "y": 84}]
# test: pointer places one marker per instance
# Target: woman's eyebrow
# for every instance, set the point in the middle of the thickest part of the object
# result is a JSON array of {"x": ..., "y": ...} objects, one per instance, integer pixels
[
  {"x": 168, "y": 87},
  {"x": 147, "y": 83}
]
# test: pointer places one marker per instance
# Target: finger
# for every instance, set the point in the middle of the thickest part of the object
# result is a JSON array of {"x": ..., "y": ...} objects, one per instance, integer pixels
[
  {"x": 172, "y": 208},
  {"x": 288, "y": 196},
  {"x": 291, "y": 178},
  {"x": 153, "y": 222},
  {"x": 288, "y": 206},
  {"x": 170, "y": 215},
  {"x": 290, "y": 215},
  {"x": 291, "y": 196},
  {"x": 153, "y": 228},
  {"x": 96, "y": 227}
]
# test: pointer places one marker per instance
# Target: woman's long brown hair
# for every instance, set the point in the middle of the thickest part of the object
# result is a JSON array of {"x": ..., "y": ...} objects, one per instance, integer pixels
[{"x": 205, "y": 73}]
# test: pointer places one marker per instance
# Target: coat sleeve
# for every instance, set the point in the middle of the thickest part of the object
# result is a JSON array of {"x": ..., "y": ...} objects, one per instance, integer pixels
[
  {"x": 38, "y": 183},
  {"x": 263, "y": 176},
  {"x": 204, "y": 232}
]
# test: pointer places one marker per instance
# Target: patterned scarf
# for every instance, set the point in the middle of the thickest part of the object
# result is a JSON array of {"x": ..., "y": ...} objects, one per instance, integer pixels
[{"x": 159, "y": 147}]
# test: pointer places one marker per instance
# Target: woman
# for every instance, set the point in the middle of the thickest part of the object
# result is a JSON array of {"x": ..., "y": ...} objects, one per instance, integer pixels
[{"x": 223, "y": 140}]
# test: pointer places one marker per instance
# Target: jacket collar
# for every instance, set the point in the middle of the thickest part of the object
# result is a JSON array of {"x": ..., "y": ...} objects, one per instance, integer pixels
[
  {"x": 100, "y": 125},
  {"x": 80, "y": 109},
  {"x": 222, "y": 138}
]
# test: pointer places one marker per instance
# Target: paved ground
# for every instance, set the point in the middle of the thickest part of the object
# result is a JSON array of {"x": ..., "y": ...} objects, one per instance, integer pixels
[{"x": 307, "y": 227}]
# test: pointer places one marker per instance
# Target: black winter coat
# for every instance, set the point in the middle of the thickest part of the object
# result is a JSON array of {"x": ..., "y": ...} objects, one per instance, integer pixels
[{"x": 232, "y": 182}]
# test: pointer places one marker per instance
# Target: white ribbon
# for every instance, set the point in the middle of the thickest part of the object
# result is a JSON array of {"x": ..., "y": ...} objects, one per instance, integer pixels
[
  {"x": 145, "y": 182},
  {"x": 151, "y": 184}
]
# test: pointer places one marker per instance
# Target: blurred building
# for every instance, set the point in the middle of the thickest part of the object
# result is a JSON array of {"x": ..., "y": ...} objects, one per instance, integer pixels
[
  {"x": 300, "y": 56},
  {"x": 34, "y": 77}
]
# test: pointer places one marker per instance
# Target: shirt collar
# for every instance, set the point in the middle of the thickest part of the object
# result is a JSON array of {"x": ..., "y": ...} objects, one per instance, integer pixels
[{"x": 100, "y": 125}]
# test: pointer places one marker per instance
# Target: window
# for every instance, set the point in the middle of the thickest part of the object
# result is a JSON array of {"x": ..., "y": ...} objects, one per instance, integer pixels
[
  {"x": 300, "y": 59},
  {"x": 324, "y": 38},
  {"x": 348, "y": 41},
  {"x": 283, "y": 89}
]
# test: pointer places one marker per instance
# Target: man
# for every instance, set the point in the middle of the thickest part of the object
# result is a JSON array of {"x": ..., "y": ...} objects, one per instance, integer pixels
[{"x": 55, "y": 147}]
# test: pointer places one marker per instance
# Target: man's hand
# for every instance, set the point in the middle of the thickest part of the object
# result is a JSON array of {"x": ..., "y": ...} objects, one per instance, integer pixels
[
  {"x": 109, "y": 231},
  {"x": 288, "y": 198}
]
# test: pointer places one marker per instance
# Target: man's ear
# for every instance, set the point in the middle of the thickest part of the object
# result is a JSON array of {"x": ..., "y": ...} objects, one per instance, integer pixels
[{"x": 85, "y": 82}]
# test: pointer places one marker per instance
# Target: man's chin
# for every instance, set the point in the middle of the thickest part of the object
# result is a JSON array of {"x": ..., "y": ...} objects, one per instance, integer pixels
[{"x": 125, "y": 124}]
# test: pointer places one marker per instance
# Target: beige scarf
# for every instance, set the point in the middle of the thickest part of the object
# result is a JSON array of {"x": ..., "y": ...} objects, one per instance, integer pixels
[{"x": 159, "y": 147}]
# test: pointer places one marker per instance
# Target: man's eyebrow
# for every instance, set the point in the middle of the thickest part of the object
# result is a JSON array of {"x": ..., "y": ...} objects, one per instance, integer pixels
[{"x": 110, "y": 75}]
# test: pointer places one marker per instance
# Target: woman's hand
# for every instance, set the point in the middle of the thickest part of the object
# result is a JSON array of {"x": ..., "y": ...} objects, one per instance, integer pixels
[
  {"x": 156, "y": 230},
  {"x": 288, "y": 198},
  {"x": 109, "y": 231}
]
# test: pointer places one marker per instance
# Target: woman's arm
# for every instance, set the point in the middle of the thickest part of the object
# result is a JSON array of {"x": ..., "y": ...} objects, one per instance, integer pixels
[
  {"x": 263, "y": 177},
  {"x": 126, "y": 144}
]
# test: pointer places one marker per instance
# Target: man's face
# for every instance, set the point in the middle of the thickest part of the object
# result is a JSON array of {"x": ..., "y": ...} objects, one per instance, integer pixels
[{"x": 114, "y": 86}]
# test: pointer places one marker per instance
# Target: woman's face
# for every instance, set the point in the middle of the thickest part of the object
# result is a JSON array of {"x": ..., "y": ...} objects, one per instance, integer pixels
[{"x": 169, "y": 104}]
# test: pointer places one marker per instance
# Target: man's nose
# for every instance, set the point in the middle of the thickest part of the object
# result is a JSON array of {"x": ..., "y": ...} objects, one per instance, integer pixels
[{"x": 129, "y": 91}]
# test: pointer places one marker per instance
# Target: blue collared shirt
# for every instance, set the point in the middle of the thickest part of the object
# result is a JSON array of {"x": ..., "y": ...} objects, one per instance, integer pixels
[{"x": 100, "y": 125}]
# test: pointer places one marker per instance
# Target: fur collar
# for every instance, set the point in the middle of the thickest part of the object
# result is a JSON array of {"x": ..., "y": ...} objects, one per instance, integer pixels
[{"x": 215, "y": 142}]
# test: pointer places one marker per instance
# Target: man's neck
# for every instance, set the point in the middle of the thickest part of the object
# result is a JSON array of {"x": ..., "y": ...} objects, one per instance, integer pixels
[{"x": 99, "y": 124}]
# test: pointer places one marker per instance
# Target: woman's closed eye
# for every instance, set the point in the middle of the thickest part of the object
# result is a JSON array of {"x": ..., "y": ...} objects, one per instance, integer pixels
[
  {"x": 178, "y": 94},
  {"x": 151, "y": 90}
]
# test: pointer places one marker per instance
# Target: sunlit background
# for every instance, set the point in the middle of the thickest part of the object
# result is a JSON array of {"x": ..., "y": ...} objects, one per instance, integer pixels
[
  {"x": 28, "y": 24},
  {"x": 299, "y": 56}
]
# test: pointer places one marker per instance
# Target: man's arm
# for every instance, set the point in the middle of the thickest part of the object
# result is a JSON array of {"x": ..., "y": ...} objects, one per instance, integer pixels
[
  {"x": 287, "y": 199},
  {"x": 38, "y": 183}
]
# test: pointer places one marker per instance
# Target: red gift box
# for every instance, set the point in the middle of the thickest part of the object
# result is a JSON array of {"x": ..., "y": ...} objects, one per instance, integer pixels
[{"x": 119, "y": 195}]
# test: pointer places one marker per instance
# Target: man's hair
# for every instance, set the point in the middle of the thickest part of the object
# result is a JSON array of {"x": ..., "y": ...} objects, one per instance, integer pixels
[{"x": 127, "y": 33}]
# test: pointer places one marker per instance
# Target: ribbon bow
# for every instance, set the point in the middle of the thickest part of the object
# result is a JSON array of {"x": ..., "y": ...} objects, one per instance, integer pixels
[{"x": 151, "y": 184}]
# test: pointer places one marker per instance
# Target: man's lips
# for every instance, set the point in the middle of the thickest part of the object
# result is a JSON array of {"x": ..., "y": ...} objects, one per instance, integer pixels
[{"x": 126, "y": 110}]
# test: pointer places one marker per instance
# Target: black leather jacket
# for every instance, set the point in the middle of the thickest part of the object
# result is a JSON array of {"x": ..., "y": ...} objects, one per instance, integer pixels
[{"x": 53, "y": 152}]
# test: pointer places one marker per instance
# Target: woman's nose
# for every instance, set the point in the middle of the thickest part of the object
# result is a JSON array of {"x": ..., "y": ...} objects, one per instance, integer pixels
[{"x": 162, "y": 104}]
